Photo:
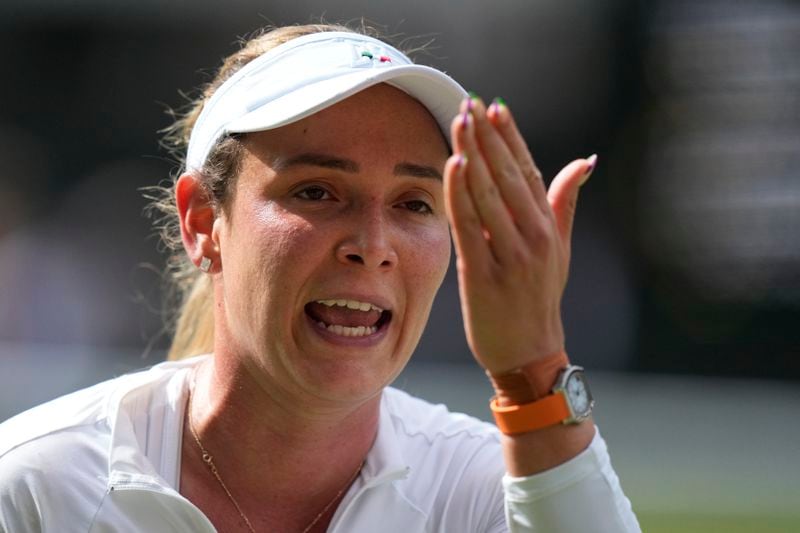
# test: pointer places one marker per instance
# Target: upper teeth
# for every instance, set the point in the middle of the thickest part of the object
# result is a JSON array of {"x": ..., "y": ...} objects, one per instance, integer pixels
[{"x": 351, "y": 304}]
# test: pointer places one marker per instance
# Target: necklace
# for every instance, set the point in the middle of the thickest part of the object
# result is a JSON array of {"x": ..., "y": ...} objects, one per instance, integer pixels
[{"x": 208, "y": 459}]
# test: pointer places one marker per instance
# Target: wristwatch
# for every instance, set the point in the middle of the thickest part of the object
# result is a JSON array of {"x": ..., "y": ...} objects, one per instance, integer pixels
[{"x": 571, "y": 402}]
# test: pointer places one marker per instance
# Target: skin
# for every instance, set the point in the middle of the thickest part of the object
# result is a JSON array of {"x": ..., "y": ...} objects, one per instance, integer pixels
[{"x": 294, "y": 233}]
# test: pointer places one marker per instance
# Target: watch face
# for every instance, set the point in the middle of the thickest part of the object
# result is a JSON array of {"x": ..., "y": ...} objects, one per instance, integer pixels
[{"x": 579, "y": 396}]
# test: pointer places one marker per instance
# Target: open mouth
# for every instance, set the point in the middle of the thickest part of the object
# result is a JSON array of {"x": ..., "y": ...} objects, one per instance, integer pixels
[{"x": 348, "y": 318}]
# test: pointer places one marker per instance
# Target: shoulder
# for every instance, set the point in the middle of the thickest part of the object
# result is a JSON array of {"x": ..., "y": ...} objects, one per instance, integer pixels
[
  {"x": 52, "y": 462},
  {"x": 457, "y": 448},
  {"x": 455, "y": 461},
  {"x": 418, "y": 418},
  {"x": 432, "y": 434},
  {"x": 54, "y": 458},
  {"x": 58, "y": 473}
]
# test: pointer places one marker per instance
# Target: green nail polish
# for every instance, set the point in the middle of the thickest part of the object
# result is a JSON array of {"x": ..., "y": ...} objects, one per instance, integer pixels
[
  {"x": 500, "y": 102},
  {"x": 473, "y": 95}
]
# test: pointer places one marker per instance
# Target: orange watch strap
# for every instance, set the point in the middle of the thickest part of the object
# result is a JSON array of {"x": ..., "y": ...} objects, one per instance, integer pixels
[
  {"x": 530, "y": 382},
  {"x": 515, "y": 419}
]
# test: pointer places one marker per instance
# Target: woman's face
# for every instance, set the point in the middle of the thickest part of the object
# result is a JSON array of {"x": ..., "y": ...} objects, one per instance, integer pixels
[{"x": 333, "y": 246}]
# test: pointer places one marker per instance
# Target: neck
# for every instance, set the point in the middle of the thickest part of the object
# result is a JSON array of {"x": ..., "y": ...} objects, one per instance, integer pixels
[
  {"x": 282, "y": 460},
  {"x": 233, "y": 409}
]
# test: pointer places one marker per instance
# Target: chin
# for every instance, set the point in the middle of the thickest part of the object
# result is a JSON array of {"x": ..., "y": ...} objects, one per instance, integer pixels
[{"x": 350, "y": 381}]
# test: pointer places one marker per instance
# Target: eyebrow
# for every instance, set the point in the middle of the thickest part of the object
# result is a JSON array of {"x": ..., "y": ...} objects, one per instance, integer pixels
[
  {"x": 348, "y": 165},
  {"x": 417, "y": 171},
  {"x": 316, "y": 160}
]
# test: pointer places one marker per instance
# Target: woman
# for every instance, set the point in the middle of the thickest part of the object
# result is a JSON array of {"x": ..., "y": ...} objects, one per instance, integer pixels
[{"x": 321, "y": 172}]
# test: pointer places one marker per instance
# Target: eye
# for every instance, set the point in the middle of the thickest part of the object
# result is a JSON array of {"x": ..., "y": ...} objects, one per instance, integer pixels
[
  {"x": 313, "y": 193},
  {"x": 418, "y": 206}
]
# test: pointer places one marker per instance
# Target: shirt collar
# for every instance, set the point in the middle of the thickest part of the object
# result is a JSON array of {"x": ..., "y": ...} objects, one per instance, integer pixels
[{"x": 142, "y": 445}]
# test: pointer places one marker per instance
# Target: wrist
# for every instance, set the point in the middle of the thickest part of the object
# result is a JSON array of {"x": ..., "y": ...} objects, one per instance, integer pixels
[{"x": 529, "y": 382}]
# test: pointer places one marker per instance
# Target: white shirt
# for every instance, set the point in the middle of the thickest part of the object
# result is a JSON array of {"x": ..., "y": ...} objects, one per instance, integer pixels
[{"x": 107, "y": 459}]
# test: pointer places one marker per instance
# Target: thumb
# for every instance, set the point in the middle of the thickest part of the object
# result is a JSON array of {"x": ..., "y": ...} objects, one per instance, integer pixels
[{"x": 563, "y": 193}]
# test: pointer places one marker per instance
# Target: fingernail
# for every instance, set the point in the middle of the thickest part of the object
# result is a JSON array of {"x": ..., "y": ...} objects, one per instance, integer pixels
[
  {"x": 496, "y": 107},
  {"x": 465, "y": 118},
  {"x": 473, "y": 95},
  {"x": 592, "y": 159},
  {"x": 470, "y": 103},
  {"x": 461, "y": 162}
]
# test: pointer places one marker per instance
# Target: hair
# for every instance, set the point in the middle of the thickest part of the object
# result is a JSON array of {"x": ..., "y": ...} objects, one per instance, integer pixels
[{"x": 190, "y": 289}]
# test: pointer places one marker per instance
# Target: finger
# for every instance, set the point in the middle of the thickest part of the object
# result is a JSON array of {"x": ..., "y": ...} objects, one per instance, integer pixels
[
  {"x": 563, "y": 193},
  {"x": 465, "y": 223},
  {"x": 493, "y": 213},
  {"x": 501, "y": 118},
  {"x": 506, "y": 173}
]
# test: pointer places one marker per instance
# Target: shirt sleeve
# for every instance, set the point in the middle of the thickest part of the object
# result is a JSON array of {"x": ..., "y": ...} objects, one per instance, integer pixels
[{"x": 583, "y": 494}]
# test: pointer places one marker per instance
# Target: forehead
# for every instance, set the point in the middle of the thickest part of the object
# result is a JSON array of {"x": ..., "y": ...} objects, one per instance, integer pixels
[{"x": 381, "y": 122}]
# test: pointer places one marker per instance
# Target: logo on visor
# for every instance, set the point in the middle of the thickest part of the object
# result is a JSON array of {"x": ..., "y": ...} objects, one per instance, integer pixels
[{"x": 382, "y": 59}]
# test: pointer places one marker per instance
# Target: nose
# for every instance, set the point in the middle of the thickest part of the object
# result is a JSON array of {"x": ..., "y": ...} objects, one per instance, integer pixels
[{"x": 368, "y": 241}]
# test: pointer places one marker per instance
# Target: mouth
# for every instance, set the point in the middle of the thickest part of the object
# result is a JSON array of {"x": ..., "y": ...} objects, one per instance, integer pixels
[{"x": 348, "y": 318}]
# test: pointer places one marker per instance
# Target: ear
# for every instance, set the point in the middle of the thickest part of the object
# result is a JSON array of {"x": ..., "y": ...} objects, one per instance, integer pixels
[{"x": 196, "y": 213}]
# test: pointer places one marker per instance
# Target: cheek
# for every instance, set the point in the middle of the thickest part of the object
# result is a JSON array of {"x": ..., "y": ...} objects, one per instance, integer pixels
[
  {"x": 268, "y": 253},
  {"x": 430, "y": 254},
  {"x": 284, "y": 249}
]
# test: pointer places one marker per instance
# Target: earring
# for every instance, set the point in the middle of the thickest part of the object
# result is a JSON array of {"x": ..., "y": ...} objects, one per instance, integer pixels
[{"x": 205, "y": 264}]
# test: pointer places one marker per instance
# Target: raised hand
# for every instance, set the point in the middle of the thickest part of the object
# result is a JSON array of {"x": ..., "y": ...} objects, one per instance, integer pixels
[{"x": 512, "y": 237}]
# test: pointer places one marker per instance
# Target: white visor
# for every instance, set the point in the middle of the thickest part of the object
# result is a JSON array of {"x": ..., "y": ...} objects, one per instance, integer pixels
[{"x": 308, "y": 74}]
